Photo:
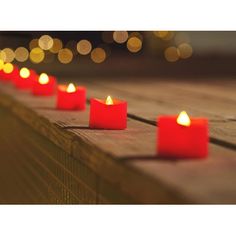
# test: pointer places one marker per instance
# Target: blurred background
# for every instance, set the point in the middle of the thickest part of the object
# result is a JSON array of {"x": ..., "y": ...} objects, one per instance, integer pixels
[{"x": 122, "y": 53}]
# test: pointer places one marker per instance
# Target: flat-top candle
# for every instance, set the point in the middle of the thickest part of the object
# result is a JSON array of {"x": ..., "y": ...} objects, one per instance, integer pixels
[
  {"x": 182, "y": 137},
  {"x": 71, "y": 97},
  {"x": 45, "y": 85},
  {"x": 1, "y": 74},
  {"x": 25, "y": 79},
  {"x": 9, "y": 72},
  {"x": 108, "y": 114}
]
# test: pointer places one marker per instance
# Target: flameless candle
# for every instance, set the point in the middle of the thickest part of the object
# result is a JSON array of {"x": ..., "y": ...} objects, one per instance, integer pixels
[
  {"x": 1, "y": 74},
  {"x": 71, "y": 97},
  {"x": 9, "y": 72},
  {"x": 108, "y": 114},
  {"x": 182, "y": 137},
  {"x": 45, "y": 85},
  {"x": 25, "y": 78}
]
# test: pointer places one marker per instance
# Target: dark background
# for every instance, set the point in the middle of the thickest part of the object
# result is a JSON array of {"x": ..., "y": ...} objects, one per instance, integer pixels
[{"x": 214, "y": 55}]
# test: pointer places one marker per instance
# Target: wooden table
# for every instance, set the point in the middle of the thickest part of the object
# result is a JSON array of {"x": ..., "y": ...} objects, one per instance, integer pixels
[{"x": 50, "y": 156}]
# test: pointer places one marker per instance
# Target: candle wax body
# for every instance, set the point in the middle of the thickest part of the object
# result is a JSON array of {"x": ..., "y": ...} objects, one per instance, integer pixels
[
  {"x": 104, "y": 116},
  {"x": 1, "y": 75},
  {"x": 26, "y": 83},
  {"x": 44, "y": 89},
  {"x": 177, "y": 141},
  {"x": 7, "y": 77},
  {"x": 71, "y": 101}
]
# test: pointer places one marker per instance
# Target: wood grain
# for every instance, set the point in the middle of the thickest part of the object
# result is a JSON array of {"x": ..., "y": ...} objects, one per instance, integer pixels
[
  {"x": 166, "y": 98},
  {"x": 147, "y": 100},
  {"x": 124, "y": 162}
]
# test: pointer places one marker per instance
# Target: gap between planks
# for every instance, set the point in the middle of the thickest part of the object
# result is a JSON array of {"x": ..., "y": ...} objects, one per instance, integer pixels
[
  {"x": 149, "y": 180},
  {"x": 222, "y": 128}
]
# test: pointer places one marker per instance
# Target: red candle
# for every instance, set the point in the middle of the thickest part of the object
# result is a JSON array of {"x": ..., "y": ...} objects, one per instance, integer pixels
[
  {"x": 181, "y": 137},
  {"x": 71, "y": 97},
  {"x": 45, "y": 85},
  {"x": 25, "y": 78},
  {"x": 1, "y": 75},
  {"x": 108, "y": 114},
  {"x": 9, "y": 72}
]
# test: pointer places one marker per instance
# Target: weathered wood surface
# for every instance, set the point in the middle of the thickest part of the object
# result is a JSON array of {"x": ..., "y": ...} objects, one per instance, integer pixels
[
  {"x": 149, "y": 98},
  {"x": 124, "y": 162}
]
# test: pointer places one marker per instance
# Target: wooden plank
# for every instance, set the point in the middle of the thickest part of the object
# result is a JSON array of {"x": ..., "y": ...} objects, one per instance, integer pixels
[
  {"x": 18, "y": 102},
  {"x": 78, "y": 182},
  {"x": 18, "y": 183},
  {"x": 126, "y": 160},
  {"x": 148, "y": 100},
  {"x": 68, "y": 179},
  {"x": 223, "y": 88},
  {"x": 164, "y": 97},
  {"x": 225, "y": 133},
  {"x": 130, "y": 139},
  {"x": 211, "y": 180}
]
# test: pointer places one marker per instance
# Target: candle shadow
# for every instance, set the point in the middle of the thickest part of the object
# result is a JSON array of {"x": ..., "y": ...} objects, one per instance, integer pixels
[
  {"x": 55, "y": 109},
  {"x": 156, "y": 158},
  {"x": 46, "y": 108},
  {"x": 76, "y": 127},
  {"x": 151, "y": 158}
]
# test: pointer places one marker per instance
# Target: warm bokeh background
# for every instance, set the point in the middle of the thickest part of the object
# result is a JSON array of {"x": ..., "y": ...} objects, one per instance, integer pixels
[{"x": 122, "y": 53}]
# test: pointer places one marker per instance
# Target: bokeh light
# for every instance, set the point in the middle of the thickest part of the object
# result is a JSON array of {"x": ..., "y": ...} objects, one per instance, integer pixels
[
  {"x": 9, "y": 54},
  {"x": 137, "y": 35},
  {"x": 164, "y": 35},
  {"x": 1, "y": 64},
  {"x": 185, "y": 50},
  {"x": 21, "y": 54},
  {"x": 24, "y": 73},
  {"x": 181, "y": 37},
  {"x": 65, "y": 56},
  {"x": 2, "y": 55},
  {"x": 37, "y": 55},
  {"x": 57, "y": 45},
  {"x": 98, "y": 55},
  {"x": 84, "y": 47},
  {"x": 34, "y": 43},
  {"x": 107, "y": 37},
  {"x": 169, "y": 36},
  {"x": 45, "y": 42},
  {"x": 160, "y": 34},
  {"x": 8, "y": 68},
  {"x": 171, "y": 54},
  {"x": 120, "y": 36},
  {"x": 134, "y": 44}
]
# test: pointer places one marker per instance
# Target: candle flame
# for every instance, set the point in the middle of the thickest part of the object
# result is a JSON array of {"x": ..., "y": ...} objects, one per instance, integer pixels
[
  {"x": 183, "y": 119},
  {"x": 43, "y": 78},
  {"x": 71, "y": 88},
  {"x": 109, "y": 101},
  {"x": 24, "y": 73}
]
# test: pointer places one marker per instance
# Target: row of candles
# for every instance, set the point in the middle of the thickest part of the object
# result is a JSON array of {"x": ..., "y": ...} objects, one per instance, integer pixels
[{"x": 178, "y": 136}]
